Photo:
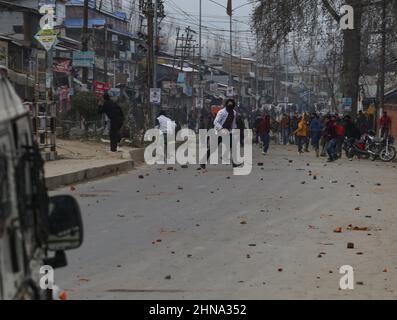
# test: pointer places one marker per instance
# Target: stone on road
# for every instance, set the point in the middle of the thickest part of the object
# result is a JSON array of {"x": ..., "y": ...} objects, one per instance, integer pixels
[{"x": 237, "y": 237}]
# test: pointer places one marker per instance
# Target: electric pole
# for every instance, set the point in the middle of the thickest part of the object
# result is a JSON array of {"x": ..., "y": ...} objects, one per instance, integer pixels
[
  {"x": 149, "y": 62},
  {"x": 152, "y": 11},
  {"x": 201, "y": 93},
  {"x": 257, "y": 77},
  {"x": 155, "y": 38},
  {"x": 84, "y": 39},
  {"x": 105, "y": 64},
  {"x": 286, "y": 73},
  {"x": 382, "y": 60},
  {"x": 231, "y": 49}
]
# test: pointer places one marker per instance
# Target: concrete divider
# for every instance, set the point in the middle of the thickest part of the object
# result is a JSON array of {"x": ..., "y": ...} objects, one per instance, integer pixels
[
  {"x": 55, "y": 182},
  {"x": 137, "y": 155}
]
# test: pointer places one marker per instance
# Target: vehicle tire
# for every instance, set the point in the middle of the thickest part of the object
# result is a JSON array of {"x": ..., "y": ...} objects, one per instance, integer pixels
[
  {"x": 365, "y": 156},
  {"x": 388, "y": 156},
  {"x": 350, "y": 153}
]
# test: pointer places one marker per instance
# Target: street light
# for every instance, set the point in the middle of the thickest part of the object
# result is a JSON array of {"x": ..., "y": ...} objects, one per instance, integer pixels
[{"x": 231, "y": 33}]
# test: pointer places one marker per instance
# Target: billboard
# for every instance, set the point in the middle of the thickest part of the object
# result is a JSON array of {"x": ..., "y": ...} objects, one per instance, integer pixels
[{"x": 83, "y": 59}]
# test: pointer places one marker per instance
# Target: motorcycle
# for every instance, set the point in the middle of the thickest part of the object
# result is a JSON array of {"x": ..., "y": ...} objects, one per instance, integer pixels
[
  {"x": 371, "y": 147},
  {"x": 381, "y": 148},
  {"x": 355, "y": 148}
]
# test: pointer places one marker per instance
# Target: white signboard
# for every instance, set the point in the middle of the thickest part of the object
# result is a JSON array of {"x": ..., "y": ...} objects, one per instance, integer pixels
[
  {"x": 213, "y": 87},
  {"x": 230, "y": 92},
  {"x": 155, "y": 96}
]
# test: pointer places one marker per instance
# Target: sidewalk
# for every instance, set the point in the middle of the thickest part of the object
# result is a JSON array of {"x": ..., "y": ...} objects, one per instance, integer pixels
[{"x": 79, "y": 161}]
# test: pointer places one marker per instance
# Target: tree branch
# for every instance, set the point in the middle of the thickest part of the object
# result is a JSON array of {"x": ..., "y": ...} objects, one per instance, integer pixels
[{"x": 331, "y": 10}]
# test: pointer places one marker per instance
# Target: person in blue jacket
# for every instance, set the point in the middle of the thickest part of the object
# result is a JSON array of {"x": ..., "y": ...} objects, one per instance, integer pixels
[{"x": 315, "y": 129}]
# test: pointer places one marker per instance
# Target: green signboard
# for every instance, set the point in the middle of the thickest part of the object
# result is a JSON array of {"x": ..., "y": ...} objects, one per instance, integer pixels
[{"x": 83, "y": 59}]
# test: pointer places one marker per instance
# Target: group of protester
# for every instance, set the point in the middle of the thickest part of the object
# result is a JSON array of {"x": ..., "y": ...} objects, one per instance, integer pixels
[{"x": 324, "y": 133}]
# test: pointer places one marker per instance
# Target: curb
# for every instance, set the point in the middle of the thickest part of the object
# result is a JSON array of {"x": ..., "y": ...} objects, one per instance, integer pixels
[
  {"x": 87, "y": 174},
  {"x": 137, "y": 155}
]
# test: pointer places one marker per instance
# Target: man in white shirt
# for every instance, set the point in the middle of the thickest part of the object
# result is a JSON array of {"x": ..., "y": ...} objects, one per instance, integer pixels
[
  {"x": 166, "y": 126},
  {"x": 226, "y": 118},
  {"x": 224, "y": 123}
]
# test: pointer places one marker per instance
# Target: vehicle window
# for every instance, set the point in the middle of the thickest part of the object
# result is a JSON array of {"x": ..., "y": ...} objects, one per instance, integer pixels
[{"x": 32, "y": 196}]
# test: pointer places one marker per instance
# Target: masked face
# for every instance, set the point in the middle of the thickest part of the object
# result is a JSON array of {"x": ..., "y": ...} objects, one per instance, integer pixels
[{"x": 229, "y": 107}]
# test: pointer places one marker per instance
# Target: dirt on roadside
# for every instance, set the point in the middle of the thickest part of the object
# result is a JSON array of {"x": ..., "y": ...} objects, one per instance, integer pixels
[{"x": 75, "y": 149}]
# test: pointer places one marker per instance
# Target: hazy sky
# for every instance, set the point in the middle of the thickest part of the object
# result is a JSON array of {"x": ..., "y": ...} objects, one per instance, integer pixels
[
  {"x": 185, "y": 13},
  {"x": 208, "y": 7}
]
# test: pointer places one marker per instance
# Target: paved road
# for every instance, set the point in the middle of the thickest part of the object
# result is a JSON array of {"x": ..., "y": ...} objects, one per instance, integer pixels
[{"x": 186, "y": 234}]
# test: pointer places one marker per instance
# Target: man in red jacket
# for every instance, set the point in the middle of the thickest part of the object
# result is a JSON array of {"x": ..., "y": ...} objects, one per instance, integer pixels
[
  {"x": 264, "y": 132},
  {"x": 385, "y": 125}
]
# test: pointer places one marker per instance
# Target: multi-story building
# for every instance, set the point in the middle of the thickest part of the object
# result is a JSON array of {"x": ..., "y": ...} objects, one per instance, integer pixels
[
  {"x": 110, "y": 38},
  {"x": 19, "y": 21},
  {"x": 251, "y": 79}
]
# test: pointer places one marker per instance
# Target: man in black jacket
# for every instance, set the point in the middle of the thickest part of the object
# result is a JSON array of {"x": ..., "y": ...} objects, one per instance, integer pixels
[
  {"x": 116, "y": 117},
  {"x": 351, "y": 130}
]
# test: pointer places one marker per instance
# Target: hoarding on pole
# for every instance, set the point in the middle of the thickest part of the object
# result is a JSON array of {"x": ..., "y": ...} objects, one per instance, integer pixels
[
  {"x": 100, "y": 88},
  {"x": 230, "y": 92},
  {"x": 347, "y": 104},
  {"x": 155, "y": 96},
  {"x": 83, "y": 59},
  {"x": 47, "y": 38}
]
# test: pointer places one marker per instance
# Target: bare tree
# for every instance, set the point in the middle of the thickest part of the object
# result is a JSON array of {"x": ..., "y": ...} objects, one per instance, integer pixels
[{"x": 274, "y": 20}]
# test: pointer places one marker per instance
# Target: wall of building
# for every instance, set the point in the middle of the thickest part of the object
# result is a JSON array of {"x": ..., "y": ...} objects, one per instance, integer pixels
[
  {"x": 34, "y": 4},
  {"x": 76, "y": 12},
  {"x": 9, "y": 19}
]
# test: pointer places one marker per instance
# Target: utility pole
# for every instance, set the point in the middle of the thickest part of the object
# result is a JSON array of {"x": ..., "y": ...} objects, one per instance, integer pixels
[
  {"x": 201, "y": 93},
  {"x": 84, "y": 39},
  {"x": 256, "y": 78},
  {"x": 176, "y": 46},
  {"x": 183, "y": 50},
  {"x": 152, "y": 11},
  {"x": 114, "y": 70},
  {"x": 286, "y": 73},
  {"x": 155, "y": 43},
  {"x": 149, "y": 63},
  {"x": 93, "y": 45},
  {"x": 231, "y": 49},
  {"x": 382, "y": 63},
  {"x": 105, "y": 63},
  {"x": 187, "y": 46}
]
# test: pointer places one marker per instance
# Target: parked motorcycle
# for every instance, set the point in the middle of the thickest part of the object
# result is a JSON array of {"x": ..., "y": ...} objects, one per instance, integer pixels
[
  {"x": 371, "y": 147},
  {"x": 381, "y": 148},
  {"x": 355, "y": 148}
]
